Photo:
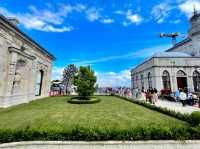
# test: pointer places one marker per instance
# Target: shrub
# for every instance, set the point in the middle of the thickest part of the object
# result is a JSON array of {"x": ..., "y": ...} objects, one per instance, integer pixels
[
  {"x": 195, "y": 118},
  {"x": 151, "y": 132},
  {"x": 76, "y": 100}
]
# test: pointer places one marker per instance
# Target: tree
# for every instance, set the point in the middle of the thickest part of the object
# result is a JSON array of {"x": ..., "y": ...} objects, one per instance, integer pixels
[
  {"x": 85, "y": 81},
  {"x": 68, "y": 75}
]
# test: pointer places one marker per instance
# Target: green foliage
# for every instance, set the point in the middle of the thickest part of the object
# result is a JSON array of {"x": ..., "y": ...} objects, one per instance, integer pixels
[
  {"x": 76, "y": 100},
  {"x": 152, "y": 132},
  {"x": 195, "y": 118},
  {"x": 85, "y": 81}
]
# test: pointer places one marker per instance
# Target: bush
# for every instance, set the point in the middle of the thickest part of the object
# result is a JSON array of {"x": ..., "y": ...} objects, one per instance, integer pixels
[
  {"x": 195, "y": 118},
  {"x": 76, "y": 100},
  {"x": 152, "y": 132}
]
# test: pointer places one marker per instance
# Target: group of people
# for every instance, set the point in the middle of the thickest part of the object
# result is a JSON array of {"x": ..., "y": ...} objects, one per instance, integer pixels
[
  {"x": 150, "y": 95},
  {"x": 122, "y": 91},
  {"x": 185, "y": 97}
]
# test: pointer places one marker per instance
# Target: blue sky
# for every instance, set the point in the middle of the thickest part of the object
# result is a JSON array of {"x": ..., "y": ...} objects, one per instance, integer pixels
[{"x": 112, "y": 36}]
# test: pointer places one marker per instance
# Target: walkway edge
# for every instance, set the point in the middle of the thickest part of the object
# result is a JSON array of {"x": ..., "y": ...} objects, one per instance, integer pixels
[{"x": 99, "y": 143}]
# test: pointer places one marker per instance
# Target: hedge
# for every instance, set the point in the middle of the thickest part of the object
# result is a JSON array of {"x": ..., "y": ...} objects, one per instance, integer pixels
[
  {"x": 76, "y": 100},
  {"x": 195, "y": 118},
  {"x": 178, "y": 115},
  {"x": 151, "y": 132}
]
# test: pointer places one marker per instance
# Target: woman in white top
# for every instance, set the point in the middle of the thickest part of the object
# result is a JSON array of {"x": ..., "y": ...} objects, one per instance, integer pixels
[{"x": 183, "y": 97}]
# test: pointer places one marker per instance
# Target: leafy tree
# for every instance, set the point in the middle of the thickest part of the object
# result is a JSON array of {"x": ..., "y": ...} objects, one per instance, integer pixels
[
  {"x": 68, "y": 75},
  {"x": 85, "y": 81}
]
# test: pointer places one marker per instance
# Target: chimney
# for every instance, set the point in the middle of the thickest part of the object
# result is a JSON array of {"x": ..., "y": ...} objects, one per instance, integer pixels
[{"x": 13, "y": 20}]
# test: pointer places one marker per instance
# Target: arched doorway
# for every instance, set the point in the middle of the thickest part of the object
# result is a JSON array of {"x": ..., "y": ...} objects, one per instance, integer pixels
[
  {"x": 181, "y": 79},
  {"x": 39, "y": 79},
  {"x": 166, "y": 80},
  {"x": 196, "y": 81}
]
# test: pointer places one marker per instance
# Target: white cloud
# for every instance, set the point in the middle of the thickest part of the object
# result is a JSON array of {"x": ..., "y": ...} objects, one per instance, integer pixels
[
  {"x": 45, "y": 20},
  {"x": 188, "y": 7},
  {"x": 57, "y": 73},
  {"x": 133, "y": 18},
  {"x": 93, "y": 14},
  {"x": 161, "y": 12},
  {"x": 114, "y": 79},
  {"x": 120, "y": 12},
  {"x": 175, "y": 21},
  {"x": 107, "y": 21},
  {"x": 130, "y": 17},
  {"x": 104, "y": 79}
]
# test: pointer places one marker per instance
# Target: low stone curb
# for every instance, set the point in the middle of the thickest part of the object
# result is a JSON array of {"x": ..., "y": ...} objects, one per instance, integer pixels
[{"x": 170, "y": 144}]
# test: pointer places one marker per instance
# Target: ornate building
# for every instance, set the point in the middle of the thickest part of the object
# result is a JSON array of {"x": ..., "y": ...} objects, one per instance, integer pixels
[
  {"x": 25, "y": 67},
  {"x": 178, "y": 67}
]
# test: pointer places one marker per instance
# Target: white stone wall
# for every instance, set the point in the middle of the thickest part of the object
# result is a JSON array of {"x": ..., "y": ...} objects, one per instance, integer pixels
[
  {"x": 158, "y": 65},
  {"x": 24, "y": 90}
]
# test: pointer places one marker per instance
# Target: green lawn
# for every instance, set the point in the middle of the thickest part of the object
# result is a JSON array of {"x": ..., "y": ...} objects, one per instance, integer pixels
[{"x": 57, "y": 114}]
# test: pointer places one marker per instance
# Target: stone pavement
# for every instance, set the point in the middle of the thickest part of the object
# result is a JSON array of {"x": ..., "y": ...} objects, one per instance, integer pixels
[{"x": 176, "y": 106}]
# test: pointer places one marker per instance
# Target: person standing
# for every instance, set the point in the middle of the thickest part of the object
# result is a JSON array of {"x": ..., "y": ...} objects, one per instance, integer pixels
[
  {"x": 183, "y": 97},
  {"x": 177, "y": 94},
  {"x": 155, "y": 95}
]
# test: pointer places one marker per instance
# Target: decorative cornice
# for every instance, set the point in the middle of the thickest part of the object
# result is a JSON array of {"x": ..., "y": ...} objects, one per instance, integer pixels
[{"x": 21, "y": 52}]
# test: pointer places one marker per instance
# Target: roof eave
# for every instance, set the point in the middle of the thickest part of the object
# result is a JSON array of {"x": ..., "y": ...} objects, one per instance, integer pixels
[{"x": 26, "y": 37}]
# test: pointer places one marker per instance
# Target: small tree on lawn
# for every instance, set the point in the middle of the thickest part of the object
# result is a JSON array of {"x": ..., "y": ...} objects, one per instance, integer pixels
[
  {"x": 68, "y": 75},
  {"x": 85, "y": 81}
]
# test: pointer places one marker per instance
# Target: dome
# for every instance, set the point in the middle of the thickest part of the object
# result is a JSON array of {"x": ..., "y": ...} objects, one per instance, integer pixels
[{"x": 171, "y": 54}]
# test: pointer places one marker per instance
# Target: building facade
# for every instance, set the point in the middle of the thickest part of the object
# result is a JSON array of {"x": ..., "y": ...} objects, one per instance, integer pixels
[
  {"x": 25, "y": 67},
  {"x": 178, "y": 67}
]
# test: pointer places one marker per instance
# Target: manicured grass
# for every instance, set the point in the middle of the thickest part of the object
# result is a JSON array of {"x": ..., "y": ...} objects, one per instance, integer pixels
[{"x": 55, "y": 113}]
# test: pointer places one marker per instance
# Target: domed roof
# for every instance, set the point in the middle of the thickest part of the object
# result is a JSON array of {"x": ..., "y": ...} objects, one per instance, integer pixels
[{"x": 171, "y": 54}]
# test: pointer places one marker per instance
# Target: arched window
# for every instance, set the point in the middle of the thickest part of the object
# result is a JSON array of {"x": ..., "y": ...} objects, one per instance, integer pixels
[
  {"x": 181, "y": 73},
  {"x": 166, "y": 80},
  {"x": 196, "y": 81},
  {"x": 142, "y": 80},
  {"x": 137, "y": 82},
  {"x": 149, "y": 77},
  {"x": 133, "y": 82}
]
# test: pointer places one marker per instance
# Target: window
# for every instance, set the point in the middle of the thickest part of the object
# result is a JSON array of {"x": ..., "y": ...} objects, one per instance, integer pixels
[
  {"x": 39, "y": 79},
  {"x": 149, "y": 80},
  {"x": 196, "y": 81},
  {"x": 142, "y": 81},
  {"x": 133, "y": 82},
  {"x": 166, "y": 80},
  {"x": 136, "y": 81}
]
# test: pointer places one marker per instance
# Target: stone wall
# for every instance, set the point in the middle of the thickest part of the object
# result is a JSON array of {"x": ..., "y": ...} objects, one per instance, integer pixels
[
  {"x": 20, "y": 60},
  {"x": 103, "y": 145}
]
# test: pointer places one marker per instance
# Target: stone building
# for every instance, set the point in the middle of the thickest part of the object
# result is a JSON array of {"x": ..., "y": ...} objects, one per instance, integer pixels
[
  {"x": 178, "y": 67},
  {"x": 25, "y": 67}
]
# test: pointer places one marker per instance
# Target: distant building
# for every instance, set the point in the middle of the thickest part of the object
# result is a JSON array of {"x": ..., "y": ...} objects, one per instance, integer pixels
[
  {"x": 25, "y": 67},
  {"x": 178, "y": 67}
]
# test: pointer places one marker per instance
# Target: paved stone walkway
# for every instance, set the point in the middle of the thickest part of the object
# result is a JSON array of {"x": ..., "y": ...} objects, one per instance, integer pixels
[{"x": 176, "y": 106}]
